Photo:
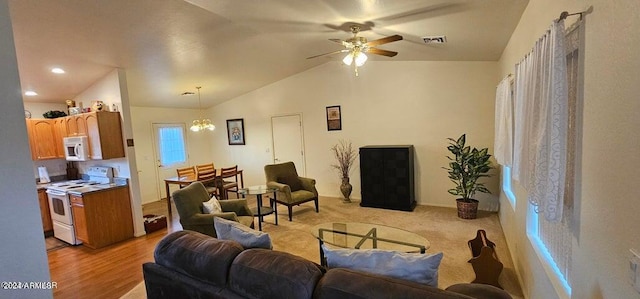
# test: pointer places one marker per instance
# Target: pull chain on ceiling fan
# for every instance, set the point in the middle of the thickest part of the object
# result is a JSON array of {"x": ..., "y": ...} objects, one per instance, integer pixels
[{"x": 357, "y": 46}]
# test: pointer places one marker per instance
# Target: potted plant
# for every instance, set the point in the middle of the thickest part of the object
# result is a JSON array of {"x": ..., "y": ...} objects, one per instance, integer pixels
[
  {"x": 466, "y": 166},
  {"x": 346, "y": 156}
]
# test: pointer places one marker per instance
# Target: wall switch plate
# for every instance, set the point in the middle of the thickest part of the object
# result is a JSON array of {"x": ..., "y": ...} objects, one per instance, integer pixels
[{"x": 634, "y": 269}]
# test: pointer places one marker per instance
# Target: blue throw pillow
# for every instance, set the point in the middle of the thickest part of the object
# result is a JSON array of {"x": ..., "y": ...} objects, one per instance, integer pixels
[
  {"x": 246, "y": 236},
  {"x": 420, "y": 268}
]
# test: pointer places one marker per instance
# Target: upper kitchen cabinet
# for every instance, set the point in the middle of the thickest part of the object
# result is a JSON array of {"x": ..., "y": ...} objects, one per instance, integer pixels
[
  {"x": 45, "y": 138},
  {"x": 105, "y": 134},
  {"x": 76, "y": 125}
]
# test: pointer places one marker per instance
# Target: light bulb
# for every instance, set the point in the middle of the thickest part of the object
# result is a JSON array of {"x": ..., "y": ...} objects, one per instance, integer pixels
[
  {"x": 360, "y": 58},
  {"x": 348, "y": 59},
  {"x": 195, "y": 127}
]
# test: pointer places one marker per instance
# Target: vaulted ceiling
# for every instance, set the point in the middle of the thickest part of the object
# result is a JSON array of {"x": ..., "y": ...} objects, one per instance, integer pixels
[{"x": 232, "y": 47}]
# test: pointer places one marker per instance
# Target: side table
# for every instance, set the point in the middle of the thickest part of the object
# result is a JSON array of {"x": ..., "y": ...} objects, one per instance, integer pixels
[{"x": 261, "y": 211}]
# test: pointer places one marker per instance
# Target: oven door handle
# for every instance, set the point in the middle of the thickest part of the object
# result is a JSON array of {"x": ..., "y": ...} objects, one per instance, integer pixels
[{"x": 56, "y": 193}]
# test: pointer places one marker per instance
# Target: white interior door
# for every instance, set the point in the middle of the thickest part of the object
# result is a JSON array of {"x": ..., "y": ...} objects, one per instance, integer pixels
[
  {"x": 170, "y": 147},
  {"x": 288, "y": 141}
]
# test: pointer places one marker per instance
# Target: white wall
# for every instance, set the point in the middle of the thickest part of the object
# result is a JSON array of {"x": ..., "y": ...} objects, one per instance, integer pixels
[
  {"x": 198, "y": 145},
  {"x": 399, "y": 102},
  {"x": 607, "y": 208},
  {"x": 22, "y": 254}
]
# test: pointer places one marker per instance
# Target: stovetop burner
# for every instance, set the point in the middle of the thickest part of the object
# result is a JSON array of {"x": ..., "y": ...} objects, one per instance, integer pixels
[{"x": 70, "y": 185}]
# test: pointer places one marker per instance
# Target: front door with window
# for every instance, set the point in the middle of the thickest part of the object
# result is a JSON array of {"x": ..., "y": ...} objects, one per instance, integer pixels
[{"x": 170, "y": 150}]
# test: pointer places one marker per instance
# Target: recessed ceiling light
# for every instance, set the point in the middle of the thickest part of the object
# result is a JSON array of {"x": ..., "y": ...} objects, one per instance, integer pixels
[
  {"x": 30, "y": 93},
  {"x": 57, "y": 70}
]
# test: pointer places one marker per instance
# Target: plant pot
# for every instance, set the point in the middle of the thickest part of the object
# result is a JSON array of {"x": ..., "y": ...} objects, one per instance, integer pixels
[
  {"x": 467, "y": 209},
  {"x": 346, "y": 189}
]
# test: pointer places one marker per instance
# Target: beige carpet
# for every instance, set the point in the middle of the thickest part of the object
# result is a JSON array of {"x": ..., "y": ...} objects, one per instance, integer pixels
[{"x": 441, "y": 226}]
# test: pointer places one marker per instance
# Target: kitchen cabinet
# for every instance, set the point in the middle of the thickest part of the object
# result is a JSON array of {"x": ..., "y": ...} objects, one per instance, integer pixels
[
  {"x": 104, "y": 130},
  {"x": 60, "y": 132},
  {"x": 76, "y": 125},
  {"x": 103, "y": 217},
  {"x": 45, "y": 213},
  {"x": 42, "y": 139},
  {"x": 386, "y": 177}
]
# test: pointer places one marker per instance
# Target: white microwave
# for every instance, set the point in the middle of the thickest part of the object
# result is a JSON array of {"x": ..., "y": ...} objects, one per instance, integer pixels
[{"x": 76, "y": 148}]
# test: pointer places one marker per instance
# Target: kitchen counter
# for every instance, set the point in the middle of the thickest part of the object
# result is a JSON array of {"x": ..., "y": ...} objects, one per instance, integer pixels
[{"x": 96, "y": 188}]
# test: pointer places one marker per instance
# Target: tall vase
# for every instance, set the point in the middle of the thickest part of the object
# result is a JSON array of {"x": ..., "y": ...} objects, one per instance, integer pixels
[{"x": 346, "y": 189}]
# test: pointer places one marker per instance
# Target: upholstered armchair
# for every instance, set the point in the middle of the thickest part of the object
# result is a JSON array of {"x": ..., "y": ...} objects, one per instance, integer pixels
[
  {"x": 293, "y": 190},
  {"x": 189, "y": 201}
]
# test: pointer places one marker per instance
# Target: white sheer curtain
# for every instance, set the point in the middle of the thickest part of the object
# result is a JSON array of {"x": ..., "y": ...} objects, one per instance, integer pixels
[
  {"x": 540, "y": 148},
  {"x": 503, "y": 144}
]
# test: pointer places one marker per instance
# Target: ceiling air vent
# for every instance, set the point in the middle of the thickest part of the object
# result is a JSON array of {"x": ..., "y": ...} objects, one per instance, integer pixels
[{"x": 439, "y": 39}]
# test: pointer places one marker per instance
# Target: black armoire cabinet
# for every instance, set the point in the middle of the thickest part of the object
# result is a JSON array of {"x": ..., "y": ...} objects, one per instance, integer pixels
[{"x": 386, "y": 176}]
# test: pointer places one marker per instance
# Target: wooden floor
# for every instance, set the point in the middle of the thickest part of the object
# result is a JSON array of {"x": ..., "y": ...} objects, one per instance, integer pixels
[{"x": 109, "y": 272}]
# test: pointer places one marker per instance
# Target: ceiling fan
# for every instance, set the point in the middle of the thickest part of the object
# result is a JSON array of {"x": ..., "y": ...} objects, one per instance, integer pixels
[{"x": 357, "y": 46}]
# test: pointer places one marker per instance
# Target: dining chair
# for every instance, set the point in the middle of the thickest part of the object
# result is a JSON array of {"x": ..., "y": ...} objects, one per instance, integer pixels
[
  {"x": 232, "y": 184},
  {"x": 187, "y": 172},
  {"x": 206, "y": 173}
]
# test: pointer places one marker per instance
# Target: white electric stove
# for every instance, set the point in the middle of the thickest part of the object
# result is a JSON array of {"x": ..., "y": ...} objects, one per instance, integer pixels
[{"x": 60, "y": 206}]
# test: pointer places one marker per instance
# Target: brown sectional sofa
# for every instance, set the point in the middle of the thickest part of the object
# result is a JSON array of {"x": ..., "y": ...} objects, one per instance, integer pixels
[{"x": 192, "y": 265}]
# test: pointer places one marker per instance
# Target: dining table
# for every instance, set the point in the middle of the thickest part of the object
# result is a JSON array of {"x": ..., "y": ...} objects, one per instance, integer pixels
[{"x": 186, "y": 180}]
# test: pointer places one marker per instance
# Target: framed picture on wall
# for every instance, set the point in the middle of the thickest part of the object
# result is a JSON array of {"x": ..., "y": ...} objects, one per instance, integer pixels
[
  {"x": 334, "y": 118},
  {"x": 235, "y": 131}
]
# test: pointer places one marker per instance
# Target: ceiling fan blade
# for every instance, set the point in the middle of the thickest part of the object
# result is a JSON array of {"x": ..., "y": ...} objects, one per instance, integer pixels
[
  {"x": 382, "y": 52},
  {"x": 335, "y": 40},
  {"x": 384, "y": 40},
  {"x": 330, "y": 53}
]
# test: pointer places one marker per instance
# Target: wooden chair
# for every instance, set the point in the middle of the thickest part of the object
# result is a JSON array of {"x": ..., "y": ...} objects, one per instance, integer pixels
[
  {"x": 206, "y": 173},
  {"x": 230, "y": 185},
  {"x": 187, "y": 172}
]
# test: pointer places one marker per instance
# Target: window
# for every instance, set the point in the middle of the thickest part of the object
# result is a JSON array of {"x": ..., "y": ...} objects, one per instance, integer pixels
[
  {"x": 506, "y": 185},
  {"x": 171, "y": 145}
]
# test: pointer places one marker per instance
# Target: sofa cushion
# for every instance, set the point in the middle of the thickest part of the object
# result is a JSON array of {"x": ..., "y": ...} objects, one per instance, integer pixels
[
  {"x": 262, "y": 273},
  {"x": 246, "y": 236},
  {"x": 420, "y": 268},
  {"x": 342, "y": 283},
  {"x": 197, "y": 255}
]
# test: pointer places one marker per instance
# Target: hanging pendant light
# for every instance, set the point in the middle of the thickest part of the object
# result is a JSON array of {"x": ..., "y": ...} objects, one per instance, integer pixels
[{"x": 202, "y": 123}]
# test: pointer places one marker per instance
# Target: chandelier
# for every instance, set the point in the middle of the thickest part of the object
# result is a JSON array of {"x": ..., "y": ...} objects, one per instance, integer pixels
[{"x": 202, "y": 123}]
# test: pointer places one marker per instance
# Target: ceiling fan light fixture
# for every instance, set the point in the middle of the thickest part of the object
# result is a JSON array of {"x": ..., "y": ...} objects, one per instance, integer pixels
[
  {"x": 360, "y": 58},
  {"x": 357, "y": 56}
]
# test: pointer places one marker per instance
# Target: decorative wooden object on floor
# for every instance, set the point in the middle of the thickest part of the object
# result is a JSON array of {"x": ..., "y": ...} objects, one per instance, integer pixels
[{"x": 485, "y": 262}]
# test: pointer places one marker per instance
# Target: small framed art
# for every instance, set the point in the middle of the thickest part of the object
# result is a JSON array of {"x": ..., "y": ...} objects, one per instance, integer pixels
[
  {"x": 235, "y": 131},
  {"x": 334, "y": 118}
]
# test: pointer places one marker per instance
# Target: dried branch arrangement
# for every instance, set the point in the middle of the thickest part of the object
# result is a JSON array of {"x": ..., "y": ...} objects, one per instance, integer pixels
[{"x": 346, "y": 155}]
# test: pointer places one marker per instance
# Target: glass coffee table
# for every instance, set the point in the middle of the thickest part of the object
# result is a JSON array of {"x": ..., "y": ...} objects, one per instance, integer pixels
[
  {"x": 368, "y": 236},
  {"x": 261, "y": 211}
]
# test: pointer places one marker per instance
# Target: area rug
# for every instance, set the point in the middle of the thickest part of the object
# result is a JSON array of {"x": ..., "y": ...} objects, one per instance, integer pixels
[
  {"x": 445, "y": 231},
  {"x": 138, "y": 292}
]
